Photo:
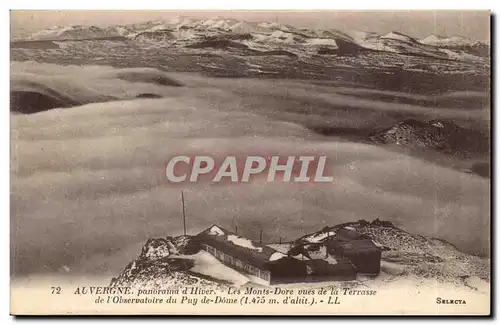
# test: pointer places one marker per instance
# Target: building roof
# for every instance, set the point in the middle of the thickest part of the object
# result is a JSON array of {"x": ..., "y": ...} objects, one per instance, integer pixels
[
  {"x": 358, "y": 246},
  {"x": 238, "y": 247},
  {"x": 346, "y": 234},
  {"x": 342, "y": 239}
]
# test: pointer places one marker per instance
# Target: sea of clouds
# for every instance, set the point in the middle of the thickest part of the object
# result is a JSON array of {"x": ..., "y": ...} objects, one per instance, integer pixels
[{"x": 88, "y": 184}]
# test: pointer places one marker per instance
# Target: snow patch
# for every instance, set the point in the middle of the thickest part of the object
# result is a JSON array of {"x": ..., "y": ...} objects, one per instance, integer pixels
[
  {"x": 216, "y": 231},
  {"x": 206, "y": 264},
  {"x": 398, "y": 36},
  {"x": 301, "y": 257},
  {"x": 269, "y": 25},
  {"x": 478, "y": 284},
  {"x": 257, "y": 280},
  {"x": 242, "y": 27},
  {"x": 331, "y": 260},
  {"x": 276, "y": 256},
  {"x": 319, "y": 237},
  {"x": 322, "y": 41},
  {"x": 460, "y": 55},
  {"x": 243, "y": 242},
  {"x": 252, "y": 65},
  {"x": 447, "y": 41},
  {"x": 280, "y": 36}
]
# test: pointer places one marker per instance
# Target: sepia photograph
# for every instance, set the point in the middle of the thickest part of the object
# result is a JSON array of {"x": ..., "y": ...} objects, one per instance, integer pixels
[{"x": 250, "y": 162}]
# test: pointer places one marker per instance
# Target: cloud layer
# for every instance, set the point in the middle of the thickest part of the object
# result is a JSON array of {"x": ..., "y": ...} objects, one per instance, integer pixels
[{"x": 88, "y": 182}]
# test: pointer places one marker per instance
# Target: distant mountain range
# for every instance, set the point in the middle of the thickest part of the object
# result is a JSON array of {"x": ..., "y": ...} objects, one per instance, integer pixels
[{"x": 265, "y": 36}]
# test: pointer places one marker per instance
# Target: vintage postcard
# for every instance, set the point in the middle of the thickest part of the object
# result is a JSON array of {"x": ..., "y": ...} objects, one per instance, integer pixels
[{"x": 250, "y": 162}]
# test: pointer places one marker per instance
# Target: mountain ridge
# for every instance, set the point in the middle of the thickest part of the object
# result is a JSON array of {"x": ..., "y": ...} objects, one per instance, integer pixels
[{"x": 271, "y": 36}]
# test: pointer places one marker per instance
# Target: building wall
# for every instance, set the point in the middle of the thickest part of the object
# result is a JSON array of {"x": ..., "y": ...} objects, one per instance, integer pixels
[
  {"x": 288, "y": 270},
  {"x": 367, "y": 263},
  {"x": 236, "y": 263}
]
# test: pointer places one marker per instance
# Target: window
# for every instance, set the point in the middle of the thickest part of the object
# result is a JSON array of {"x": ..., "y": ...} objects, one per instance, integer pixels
[
  {"x": 253, "y": 271},
  {"x": 239, "y": 263},
  {"x": 209, "y": 249},
  {"x": 265, "y": 275},
  {"x": 221, "y": 255}
]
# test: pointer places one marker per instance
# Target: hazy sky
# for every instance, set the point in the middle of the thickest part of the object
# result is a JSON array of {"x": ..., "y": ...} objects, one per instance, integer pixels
[{"x": 472, "y": 24}]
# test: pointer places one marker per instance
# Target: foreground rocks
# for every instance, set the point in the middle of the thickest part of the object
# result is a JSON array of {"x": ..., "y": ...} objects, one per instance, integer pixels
[{"x": 159, "y": 266}]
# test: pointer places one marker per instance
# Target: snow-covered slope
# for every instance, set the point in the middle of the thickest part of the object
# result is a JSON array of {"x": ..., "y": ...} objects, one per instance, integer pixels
[
  {"x": 73, "y": 32},
  {"x": 447, "y": 41},
  {"x": 243, "y": 27},
  {"x": 399, "y": 36},
  {"x": 396, "y": 42},
  {"x": 119, "y": 30}
]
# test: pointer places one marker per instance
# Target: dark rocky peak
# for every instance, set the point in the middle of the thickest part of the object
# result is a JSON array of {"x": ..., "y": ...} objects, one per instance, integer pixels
[{"x": 436, "y": 134}]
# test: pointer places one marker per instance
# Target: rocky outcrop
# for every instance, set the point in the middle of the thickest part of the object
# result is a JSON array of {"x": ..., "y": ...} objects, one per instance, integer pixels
[
  {"x": 435, "y": 134},
  {"x": 158, "y": 35},
  {"x": 28, "y": 102},
  {"x": 157, "y": 248},
  {"x": 344, "y": 48},
  {"x": 415, "y": 133},
  {"x": 161, "y": 264},
  {"x": 148, "y": 95}
]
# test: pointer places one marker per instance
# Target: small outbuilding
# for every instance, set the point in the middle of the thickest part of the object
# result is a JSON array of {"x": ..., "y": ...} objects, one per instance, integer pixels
[{"x": 357, "y": 248}]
